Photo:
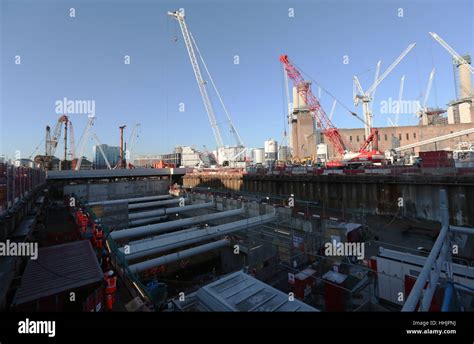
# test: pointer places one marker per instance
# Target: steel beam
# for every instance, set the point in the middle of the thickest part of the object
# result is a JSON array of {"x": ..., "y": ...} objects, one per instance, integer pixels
[
  {"x": 164, "y": 211},
  {"x": 435, "y": 139},
  {"x": 462, "y": 230},
  {"x": 163, "y": 227},
  {"x": 426, "y": 274},
  {"x": 173, "y": 257}
]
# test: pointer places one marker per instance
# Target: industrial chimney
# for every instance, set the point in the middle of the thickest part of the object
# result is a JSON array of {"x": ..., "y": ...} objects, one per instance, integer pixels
[{"x": 465, "y": 83}]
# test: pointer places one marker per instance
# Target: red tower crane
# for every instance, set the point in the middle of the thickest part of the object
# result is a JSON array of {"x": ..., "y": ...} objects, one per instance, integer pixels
[{"x": 328, "y": 128}]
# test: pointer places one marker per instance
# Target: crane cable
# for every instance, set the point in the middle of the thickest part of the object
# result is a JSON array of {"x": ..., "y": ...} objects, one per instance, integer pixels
[
  {"x": 352, "y": 113},
  {"x": 37, "y": 147},
  {"x": 232, "y": 128}
]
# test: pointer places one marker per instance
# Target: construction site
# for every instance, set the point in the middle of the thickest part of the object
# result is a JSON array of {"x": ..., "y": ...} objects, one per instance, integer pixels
[{"x": 365, "y": 219}]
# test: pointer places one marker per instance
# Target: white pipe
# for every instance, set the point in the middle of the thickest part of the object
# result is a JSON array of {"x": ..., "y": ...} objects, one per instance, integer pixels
[
  {"x": 163, "y": 227},
  {"x": 131, "y": 200},
  {"x": 136, "y": 223},
  {"x": 170, "y": 241},
  {"x": 154, "y": 204},
  {"x": 164, "y": 211},
  {"x": 173, "y": 257}
]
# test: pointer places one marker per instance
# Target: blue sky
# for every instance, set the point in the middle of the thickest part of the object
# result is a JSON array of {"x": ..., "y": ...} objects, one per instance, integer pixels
[{"x": 82, "y": 58}]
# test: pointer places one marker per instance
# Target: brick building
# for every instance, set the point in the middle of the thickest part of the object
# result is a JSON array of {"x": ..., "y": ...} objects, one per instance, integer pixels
[{"x": 392, "y": 137}]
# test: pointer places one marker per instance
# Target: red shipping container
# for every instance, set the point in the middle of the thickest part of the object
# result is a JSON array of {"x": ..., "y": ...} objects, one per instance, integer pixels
[
  {"x": 335, "y": 296},
  {"x": 304, "y": 282}
]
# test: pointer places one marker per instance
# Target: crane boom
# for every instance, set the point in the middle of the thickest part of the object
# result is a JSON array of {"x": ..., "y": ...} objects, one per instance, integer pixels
[
  {"x": 233, "y": 130},
  {"x": 400, "y": 95},
  {"x": 322, "y": 120},
  {"x": 376, "y": 77},
  {"x": 179, "y": 16},
  {"x": 389, "y": 69},
  {"x": 83, "y": 141},
  {"x": 99, "y": 145},
  {"x": 458, "y": 58},
  {"x": 428, "y": 88}
]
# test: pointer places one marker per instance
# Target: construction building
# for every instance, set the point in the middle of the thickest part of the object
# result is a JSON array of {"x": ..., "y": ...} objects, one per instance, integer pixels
[{"x": 394, "y": 137}]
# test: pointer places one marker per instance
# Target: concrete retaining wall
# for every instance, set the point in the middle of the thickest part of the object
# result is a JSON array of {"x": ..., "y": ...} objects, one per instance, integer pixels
[
  {"x": 373, "y": 194},
  {"x": 118, "y": 190}
]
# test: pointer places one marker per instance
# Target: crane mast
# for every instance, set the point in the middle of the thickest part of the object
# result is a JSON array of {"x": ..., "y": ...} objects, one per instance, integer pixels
[{"x": 179, "y": 16}]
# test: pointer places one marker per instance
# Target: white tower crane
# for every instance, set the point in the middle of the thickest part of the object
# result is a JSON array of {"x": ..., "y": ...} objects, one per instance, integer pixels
[
  {"x": 179, "y": 16},
  {"x": 423, "y": 110},
  {"x": 462, "y": 63},
  {"x": 366, "y": 97},
  {"x": 458, "y": 58},
  {"x": 399, "y": 104},
  {"x": 427, "y": 114},
  {"x": 191, "y": 46}
]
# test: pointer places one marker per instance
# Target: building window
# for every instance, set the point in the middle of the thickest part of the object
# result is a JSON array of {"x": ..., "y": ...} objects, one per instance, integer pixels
[
  {"x": 408, "y": 137},
  {"x": 350, "y": 138},
  {"x": 400, "y": 137},
  {"x": 385, "y": 137},
  {"x": 414, "y": 135},
  {"x": 357, "y": 138}
]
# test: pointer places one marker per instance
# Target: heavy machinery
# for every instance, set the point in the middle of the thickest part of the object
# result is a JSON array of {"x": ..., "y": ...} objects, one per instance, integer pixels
[
  {"x": 51, "y": 143},
  {"x": 330, "y": 131},
  {"x": 429, "y": 115},
  {"x": 464, "y": 68},
  {"x": 132, "y": 140},
  {"x": 223, "y": 155},
  {"x": 366, "y": 97},
  {"x": 394, "y": 123},
  {"x": 88, "y": 133},
  {"x": 121, "y": 163}
]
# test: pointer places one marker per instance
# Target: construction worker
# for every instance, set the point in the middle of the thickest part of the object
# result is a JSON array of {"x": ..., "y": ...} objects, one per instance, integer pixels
[
  {"x": 95, "y": 225},
  {"x": 98, "y": 237},
  {"x": 105, "y": 262},
  {"x": 110, "y": 289},
  {"x": 78, "y": 217}
]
